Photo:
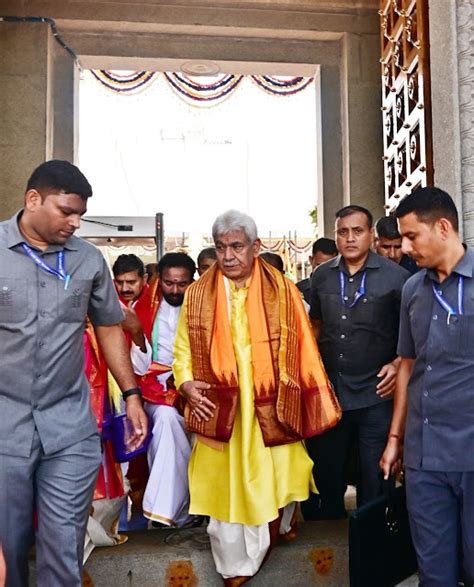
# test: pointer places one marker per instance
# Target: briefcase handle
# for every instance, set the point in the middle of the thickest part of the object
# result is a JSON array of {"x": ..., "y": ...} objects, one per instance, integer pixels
[{"x": 392, "y": 514}]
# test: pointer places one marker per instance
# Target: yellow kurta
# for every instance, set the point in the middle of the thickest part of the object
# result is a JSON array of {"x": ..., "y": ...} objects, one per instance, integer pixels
[{"x": 245, "y": 482}]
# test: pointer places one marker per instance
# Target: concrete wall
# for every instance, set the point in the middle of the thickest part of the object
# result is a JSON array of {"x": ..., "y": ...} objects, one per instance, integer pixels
[
  {"x": 340, "y": 36},
  {"x": 23, "y": 98},
  {"x": 36, "y": 106}
]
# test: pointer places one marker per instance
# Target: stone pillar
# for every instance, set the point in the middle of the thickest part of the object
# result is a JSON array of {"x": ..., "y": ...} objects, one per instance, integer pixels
[
  {"x": 452, "y": 94},
  {"x": 465, "y": 43},
  {"x": 351, "y": 130},
  {"x": 445, "y": 98},
  {"x": 331, "y": 135},
  {"x": 36, "y": 106},
  {"x": 362, "y": 141},
  {"x": 61, "y": 113},
  {"x": 23, "y": 66}
]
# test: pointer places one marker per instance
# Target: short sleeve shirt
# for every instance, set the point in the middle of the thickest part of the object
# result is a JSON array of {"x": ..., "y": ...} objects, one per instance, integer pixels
[
  {"x": 440, "y": 419},
  {"x": 356, "y": 342},
  {"x": 42, "y": 383}
]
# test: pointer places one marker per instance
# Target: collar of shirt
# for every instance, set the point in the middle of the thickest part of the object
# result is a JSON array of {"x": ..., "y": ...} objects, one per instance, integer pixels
[
  {"x": 230, "y": 287},
  {"x": 15, "y": 237},
  {"x": 464, "y": 267},
  {"x": 372, "y": 262}
]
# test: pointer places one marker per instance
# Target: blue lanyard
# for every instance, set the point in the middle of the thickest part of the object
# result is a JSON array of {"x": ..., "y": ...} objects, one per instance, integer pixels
[
  {"x": 444, "y": 304},
  {"x": 359, "y": 293},
  {"x": 59, "y": 272}
]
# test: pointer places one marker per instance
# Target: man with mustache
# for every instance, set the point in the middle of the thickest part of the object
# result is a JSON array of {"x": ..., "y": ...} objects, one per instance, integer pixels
[
  {"x": 166, "y": 498},
  {"x": 248, "y": 366},
  {"x": 355, "y": 305},
  {"x": 151, "y": 320},
  {"x": 131, "y": 283}
]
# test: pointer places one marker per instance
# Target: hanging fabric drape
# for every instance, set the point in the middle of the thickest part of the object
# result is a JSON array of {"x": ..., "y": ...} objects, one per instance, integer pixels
[
  {"x": 299, "y": 249},
  {"x": 195, "y": 91},
  {"x": 124, "y": 82},
  {"x": 191, "y": 89},
  {"x": 281, "y": 86}
]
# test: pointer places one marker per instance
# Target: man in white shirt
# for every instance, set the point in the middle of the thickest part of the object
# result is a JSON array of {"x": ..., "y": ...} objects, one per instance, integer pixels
[{"x": 166, "y": 498}]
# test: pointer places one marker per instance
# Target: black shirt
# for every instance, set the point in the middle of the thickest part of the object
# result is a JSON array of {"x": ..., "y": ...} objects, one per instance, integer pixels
[
  {"x": 408, "y": 264},
  {"x": 355, "y": 343},
  {"x": 305, "y": 288}
]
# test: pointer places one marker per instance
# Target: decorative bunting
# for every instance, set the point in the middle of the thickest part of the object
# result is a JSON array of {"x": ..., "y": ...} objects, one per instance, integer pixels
[
  {"x": 273, "y": 246},
  {"x": 303, "y": 249},
  {"x": 124, "y": 82},
  {"x": 199, "y": 92},
  {"x": 190, "y": 88},
  {"x": 282, "y": 86}
]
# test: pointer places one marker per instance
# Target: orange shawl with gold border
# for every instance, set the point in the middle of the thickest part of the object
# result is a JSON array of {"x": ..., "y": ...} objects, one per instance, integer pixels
[{"x": 293, "y": 396}]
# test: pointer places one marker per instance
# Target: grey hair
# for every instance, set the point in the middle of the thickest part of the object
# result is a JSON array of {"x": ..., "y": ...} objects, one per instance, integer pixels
[{"x": 234, "y": 220}]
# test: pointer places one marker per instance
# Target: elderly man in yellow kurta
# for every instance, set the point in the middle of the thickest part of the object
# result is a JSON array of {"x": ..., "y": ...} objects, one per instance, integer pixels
[{"x": 248, "y": 366}]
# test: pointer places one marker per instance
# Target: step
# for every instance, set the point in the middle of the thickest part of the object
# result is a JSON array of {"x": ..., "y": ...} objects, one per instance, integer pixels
[{"x": 182, "y": 558}]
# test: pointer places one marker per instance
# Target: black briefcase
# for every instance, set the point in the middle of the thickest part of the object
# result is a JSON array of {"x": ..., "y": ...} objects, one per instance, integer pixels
[{"x": 381, "y": 552}]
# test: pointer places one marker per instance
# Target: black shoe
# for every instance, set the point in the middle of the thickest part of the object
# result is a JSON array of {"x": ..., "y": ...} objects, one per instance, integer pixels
[
  {"x": 156, "y": 524},
  {"x": 198, "y": 521}
]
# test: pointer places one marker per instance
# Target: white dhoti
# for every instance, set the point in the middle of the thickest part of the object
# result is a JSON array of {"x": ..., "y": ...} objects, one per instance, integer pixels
[
  {"x": 102, "y": 525},
  {"x": 239, "y": 550},
  {"x": 166, "y": 498}
]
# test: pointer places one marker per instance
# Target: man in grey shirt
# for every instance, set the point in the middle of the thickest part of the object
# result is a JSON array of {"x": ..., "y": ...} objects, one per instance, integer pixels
[
  {"x": 434, "y": 391},
  {"x": 49, "y": 444}
]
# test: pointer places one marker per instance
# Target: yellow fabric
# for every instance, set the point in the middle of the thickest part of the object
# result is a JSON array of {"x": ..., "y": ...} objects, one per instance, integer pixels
[
  {"x": 115, "y": 394},
  {"x": 244, "y": 482}
]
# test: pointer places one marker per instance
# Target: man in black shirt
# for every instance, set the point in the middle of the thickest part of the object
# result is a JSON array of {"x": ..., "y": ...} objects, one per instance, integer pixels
[{"x": 355, "y": 307}]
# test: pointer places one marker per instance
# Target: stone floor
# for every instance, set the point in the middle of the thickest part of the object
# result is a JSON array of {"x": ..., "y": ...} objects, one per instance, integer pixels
[{"x": 182, "y": 558}]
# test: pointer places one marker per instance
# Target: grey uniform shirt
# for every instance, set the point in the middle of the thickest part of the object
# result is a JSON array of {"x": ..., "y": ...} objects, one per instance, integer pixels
[
  {"x": 42, "y": 381},
  {"x": 440, "y": 420},
  {"x": 356, "y": 342}
]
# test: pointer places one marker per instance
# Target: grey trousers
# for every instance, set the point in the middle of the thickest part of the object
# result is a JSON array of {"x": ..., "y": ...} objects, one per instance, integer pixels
[
  {"x": 59, "y": 487},
  {"x": 441, "y": 510}
]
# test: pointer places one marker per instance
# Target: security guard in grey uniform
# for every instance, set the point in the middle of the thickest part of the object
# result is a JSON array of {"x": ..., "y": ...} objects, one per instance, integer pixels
[{"x": 49, "y": 444}]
